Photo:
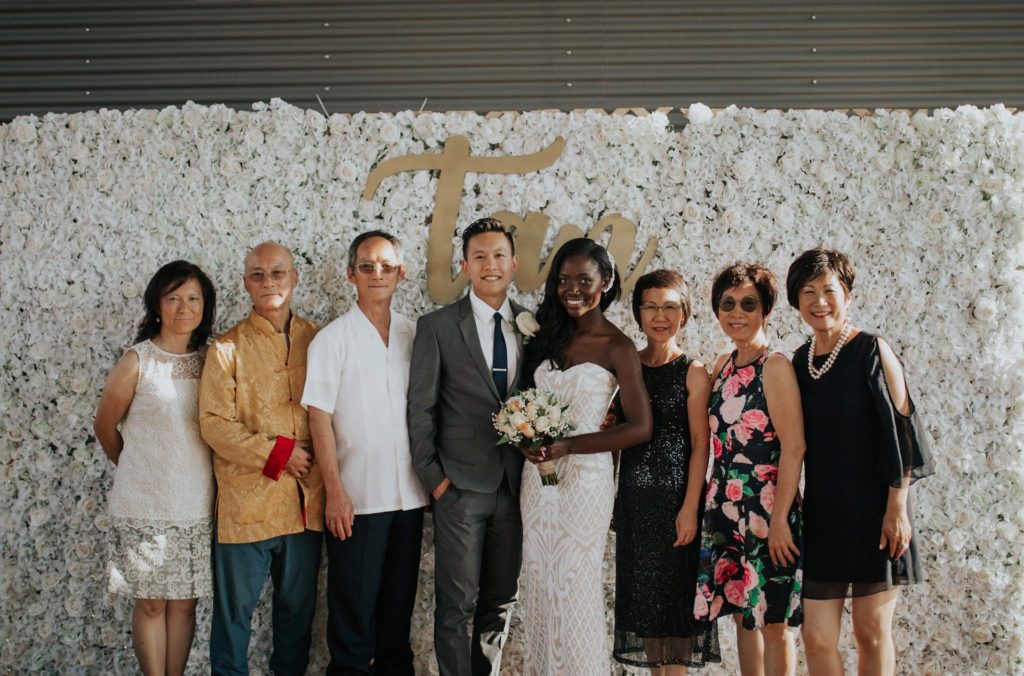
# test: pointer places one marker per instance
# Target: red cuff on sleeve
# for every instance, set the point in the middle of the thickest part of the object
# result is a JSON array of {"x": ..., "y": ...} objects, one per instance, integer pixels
[{"x": 279, "y": 457}]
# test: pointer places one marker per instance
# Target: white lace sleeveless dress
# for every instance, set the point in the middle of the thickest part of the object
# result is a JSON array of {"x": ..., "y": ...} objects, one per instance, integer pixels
[
  {"x": 565, "y": 531},
  {"x": 161, "y": 504}
]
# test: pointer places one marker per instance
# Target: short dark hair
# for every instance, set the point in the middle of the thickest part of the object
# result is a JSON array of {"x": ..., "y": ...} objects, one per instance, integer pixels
[
  {"x": 167, "y": 279},
  {"x": 738, "y": 273},
  {"x": 661, "y": 279},
  {"x": 814, "y": 263},
  {"x": 481, "y": 226},
  {"x": 353, "y": 248}
]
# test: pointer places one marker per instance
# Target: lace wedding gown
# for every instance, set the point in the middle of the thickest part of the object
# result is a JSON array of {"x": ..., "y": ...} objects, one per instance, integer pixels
[{"x": 565, "y": 530}]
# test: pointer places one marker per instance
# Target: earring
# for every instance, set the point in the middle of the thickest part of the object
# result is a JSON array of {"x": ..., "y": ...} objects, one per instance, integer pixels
[{"x": 157, "y": 320}]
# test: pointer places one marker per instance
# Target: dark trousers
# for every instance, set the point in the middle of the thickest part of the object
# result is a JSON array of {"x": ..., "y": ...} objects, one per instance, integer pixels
[
  {"x": 371, "y": 591},
  {"x": 478, "y": 549},
  {"x": 239, "y": 572}
]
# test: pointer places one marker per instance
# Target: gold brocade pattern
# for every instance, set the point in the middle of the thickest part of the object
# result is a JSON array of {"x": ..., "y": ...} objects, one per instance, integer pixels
[{"x": 250, "y": 392}]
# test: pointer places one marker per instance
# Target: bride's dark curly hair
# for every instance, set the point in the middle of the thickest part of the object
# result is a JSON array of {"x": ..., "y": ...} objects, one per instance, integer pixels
[{"x": 556, "y": 326}]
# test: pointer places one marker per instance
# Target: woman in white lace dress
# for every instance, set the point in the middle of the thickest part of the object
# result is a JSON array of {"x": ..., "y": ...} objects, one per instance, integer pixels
[
  {"x": 161, "y": 504},
  {"x": 585, "y": 360}
]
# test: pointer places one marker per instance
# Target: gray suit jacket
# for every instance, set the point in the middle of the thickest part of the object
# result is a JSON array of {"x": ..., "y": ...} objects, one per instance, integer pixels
[{"x": 451, "y": 400}]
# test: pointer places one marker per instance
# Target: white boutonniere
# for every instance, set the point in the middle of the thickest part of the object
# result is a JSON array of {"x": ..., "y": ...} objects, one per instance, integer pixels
[{"x": 526, "y": 325}]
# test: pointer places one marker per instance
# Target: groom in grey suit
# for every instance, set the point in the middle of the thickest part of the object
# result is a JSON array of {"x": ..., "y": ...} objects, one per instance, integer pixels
[{"x": 466, "y": 359}]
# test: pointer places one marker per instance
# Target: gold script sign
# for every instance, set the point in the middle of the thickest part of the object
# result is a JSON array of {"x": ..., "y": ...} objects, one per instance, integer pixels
[{"x": 452, "y": 165}]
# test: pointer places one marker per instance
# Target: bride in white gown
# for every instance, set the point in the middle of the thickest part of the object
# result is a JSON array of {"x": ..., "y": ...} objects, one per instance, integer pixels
[{"x": 583, "y": 358}]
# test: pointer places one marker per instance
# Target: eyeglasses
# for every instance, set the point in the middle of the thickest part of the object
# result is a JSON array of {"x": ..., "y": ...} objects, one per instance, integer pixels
[
  {"x": 258, "y": 277},
  {"x": 747, "y": 304},
  {"x": 368, "y": 268},
  {"x": 667, "y": 308}
]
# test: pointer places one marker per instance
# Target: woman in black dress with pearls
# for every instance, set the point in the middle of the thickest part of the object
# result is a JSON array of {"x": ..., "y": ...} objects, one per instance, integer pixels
[{"x": 864, "y": 449}]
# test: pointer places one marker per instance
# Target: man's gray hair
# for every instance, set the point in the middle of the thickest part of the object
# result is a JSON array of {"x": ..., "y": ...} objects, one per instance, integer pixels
[{"x": 353, "y": 248}]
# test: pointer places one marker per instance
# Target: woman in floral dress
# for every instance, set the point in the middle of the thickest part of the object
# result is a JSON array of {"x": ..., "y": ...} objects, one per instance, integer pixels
[
  {"x": 161, "y": 504},
  {"x": 750, "y": 564}
]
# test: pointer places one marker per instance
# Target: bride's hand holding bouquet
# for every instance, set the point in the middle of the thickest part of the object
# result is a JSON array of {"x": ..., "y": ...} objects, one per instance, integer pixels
[{"x": 535, "y": 421}]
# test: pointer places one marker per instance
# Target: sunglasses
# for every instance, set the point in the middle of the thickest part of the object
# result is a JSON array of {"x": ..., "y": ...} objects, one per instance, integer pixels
[
  {"x": 259, "y": 277},
  {"x": 367, "y": 268},
  {"x": 747, "y": 304}
]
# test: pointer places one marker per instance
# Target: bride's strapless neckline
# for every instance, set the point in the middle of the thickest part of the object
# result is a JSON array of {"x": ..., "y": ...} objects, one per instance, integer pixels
[{"x": 584, "y": 363}]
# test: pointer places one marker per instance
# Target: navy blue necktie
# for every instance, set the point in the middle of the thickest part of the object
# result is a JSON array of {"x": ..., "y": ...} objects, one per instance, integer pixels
[{"x": 499, "y": 365}]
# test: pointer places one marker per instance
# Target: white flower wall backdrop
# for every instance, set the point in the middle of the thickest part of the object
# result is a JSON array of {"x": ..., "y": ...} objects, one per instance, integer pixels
[{"x": 930, "y": 208}]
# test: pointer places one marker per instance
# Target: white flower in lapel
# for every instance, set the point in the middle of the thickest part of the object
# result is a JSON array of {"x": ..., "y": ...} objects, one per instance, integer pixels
[{"x": 526, "y": 325}]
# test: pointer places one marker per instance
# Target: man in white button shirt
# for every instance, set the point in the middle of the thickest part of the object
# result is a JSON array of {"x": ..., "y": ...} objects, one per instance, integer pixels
[{"x": 356, "y": 380}]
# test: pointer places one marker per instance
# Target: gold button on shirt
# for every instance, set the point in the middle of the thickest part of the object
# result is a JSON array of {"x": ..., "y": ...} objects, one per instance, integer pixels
[{"x": 249, "y": 395}]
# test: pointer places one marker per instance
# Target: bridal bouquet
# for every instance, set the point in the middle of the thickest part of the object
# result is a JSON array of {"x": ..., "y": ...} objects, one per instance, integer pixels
[{"x": 534, "y": 417}]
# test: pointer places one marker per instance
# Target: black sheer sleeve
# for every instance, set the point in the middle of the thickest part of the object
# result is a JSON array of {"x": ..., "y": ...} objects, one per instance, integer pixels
[{"x": 905, "y": 444}]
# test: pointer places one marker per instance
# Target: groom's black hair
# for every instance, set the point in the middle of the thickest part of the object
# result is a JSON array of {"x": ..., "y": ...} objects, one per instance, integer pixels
[{"x": 479, "y": 227}]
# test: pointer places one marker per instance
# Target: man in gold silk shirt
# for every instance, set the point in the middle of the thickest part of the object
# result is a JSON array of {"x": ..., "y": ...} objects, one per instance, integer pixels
[{"x": 270, "y": 497}]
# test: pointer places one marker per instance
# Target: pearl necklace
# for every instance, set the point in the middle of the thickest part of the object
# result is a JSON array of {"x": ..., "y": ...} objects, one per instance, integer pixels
[{"x": 816, "y": 374}]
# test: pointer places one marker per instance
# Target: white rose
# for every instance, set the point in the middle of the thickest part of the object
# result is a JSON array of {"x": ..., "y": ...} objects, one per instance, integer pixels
[
  {"x": 730, "y": 218},
  {"x": 693, "y": 231},
  {"x": 921, "y": 121},
  {"x": 981, "y": 634},
  {"x": 956, "y": 539},
  {"x": 234, "y": 202},
  {"x": 493, "y": 130},
  {"x": 637, "y": 176},
  {"x": 783, "y": 216},
  {"x": 698, "y": 113},
  {"x": 25, "y": 132},
  {"x": 998, "y": 663},
  {"x": 253, "y": 137},
  {"x": 296, "y": 173},
  {"x": 390, "y": 133},
  {"x": 229, "y": 166},
  {"x": 825, "y": 172},
  {"x": 74, "y": 606},
  {"x": 346, "y": 172},
  {"x": 985, "y": 310},
  {"x": 991, "y": 184},
  {"x": 691, "y": 212},
  {"x": 192, "y": 117},
  {"x": 743, "y": 169},
  {"x": 792, "y": 162},
  {"x": 104, "y": 180},
  {"x": 527, "y": 324}
]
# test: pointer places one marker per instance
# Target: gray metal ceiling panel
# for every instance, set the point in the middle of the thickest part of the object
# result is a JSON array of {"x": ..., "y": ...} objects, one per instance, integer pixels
[{"x": 536, "y": 54}]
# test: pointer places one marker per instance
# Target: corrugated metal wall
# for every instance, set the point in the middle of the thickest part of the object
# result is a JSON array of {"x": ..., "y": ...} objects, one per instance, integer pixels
[{"x": 387, "y": 55}]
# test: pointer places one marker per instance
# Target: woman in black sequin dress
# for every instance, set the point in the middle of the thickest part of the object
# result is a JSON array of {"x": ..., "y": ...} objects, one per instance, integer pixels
[{"x": 657, "y": 509}]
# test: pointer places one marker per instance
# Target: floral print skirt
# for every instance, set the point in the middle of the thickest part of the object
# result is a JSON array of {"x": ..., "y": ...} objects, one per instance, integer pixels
[
  {"x": 153, "y": 560},
  {"x": 736, "y": 574}
]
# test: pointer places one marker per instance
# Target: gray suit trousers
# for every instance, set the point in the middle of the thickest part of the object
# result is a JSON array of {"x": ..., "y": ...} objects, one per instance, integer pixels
[{"x": 478, "y": 544}]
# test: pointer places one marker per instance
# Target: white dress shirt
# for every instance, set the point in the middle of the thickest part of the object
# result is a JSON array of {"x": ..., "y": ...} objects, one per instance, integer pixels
[
  {"x": 484, "y": 315},
  {"x": 362, "y": 383}
]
